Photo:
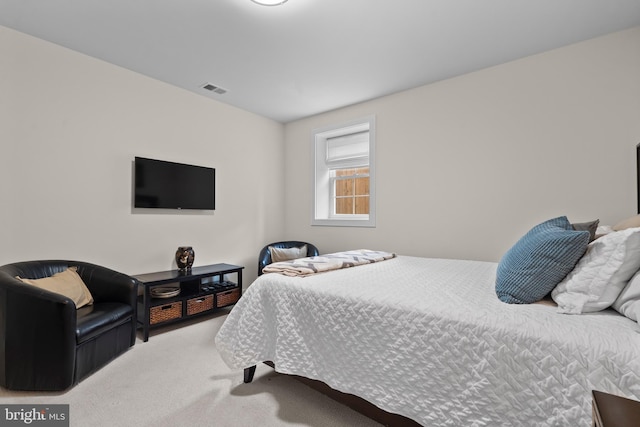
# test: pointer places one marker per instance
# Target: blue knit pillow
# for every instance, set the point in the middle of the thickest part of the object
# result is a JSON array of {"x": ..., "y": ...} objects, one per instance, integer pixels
[{"x": 539, "y": 261}]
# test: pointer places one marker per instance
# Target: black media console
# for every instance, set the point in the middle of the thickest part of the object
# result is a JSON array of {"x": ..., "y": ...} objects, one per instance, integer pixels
[{"x": 202, "y": 290}]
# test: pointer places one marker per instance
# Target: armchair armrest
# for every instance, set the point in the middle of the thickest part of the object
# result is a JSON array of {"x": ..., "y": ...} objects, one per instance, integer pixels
[
  {"x": 37, "y": 332},
  {"x": 108, "y": 285}
]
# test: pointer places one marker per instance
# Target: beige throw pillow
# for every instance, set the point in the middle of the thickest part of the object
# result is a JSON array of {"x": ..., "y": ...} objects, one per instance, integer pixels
[
  {"x": 67, "y": 283},
  {"x": 282, "y": 254},
  {"x": 632, "y": 222}
]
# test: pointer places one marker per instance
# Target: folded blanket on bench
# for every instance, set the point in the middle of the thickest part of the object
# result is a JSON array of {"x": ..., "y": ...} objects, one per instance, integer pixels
[{"x": 317, "y": 264}]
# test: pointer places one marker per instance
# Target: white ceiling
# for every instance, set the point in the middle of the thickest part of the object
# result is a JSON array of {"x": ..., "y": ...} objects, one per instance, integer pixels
[{"x": 309, "y": 56}]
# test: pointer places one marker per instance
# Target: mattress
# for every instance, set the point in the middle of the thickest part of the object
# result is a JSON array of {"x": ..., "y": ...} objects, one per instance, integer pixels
[{"x": 429, "y": 339}]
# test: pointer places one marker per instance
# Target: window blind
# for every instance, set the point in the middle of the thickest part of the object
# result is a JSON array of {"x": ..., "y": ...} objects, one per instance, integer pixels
[{"x": 348, "y": 150}]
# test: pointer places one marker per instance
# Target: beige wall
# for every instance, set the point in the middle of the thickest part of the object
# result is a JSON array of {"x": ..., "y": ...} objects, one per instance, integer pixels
[
  {"x": 467, "y": 165},
  {"x": 464, "y": 166},
  {"x": 70, "y": 127}
]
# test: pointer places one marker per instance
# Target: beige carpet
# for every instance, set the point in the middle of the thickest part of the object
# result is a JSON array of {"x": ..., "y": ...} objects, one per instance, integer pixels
[{"x": 178, "y": 379}]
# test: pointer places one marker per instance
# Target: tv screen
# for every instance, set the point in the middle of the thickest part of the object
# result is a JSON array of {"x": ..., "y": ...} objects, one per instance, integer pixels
[{"x": 168, "y": 185}]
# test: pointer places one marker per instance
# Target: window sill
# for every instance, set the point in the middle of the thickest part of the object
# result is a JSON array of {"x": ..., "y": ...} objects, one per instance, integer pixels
[{"x": 344, "y": 222}]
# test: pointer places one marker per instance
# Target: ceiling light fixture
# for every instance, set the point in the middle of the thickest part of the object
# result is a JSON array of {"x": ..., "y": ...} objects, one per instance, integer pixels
[{"x": 269, "y": 2}]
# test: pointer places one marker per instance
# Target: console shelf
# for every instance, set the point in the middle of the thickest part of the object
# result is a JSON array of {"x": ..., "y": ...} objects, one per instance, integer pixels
[{"x": 202, "y": 290}]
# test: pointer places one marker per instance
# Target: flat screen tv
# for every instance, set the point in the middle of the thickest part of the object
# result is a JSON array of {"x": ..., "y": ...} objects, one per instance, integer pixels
[{"x": 168, "y": 185}]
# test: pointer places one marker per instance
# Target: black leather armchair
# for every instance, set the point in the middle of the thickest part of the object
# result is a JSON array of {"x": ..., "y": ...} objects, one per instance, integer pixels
[
  {"x": 264, "y": 258},
  {"x": 46, "y": 343}
]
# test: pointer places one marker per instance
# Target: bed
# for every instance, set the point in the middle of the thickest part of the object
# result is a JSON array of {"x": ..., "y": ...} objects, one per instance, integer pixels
[{"x": 428, "y": 339}]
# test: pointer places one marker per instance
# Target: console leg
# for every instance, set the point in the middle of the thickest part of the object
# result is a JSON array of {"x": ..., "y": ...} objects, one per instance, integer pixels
[{"x": 248, "y": 373}]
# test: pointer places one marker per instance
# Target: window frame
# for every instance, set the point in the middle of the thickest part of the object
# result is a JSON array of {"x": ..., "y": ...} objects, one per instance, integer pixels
[{"x": 323, "y": 193}]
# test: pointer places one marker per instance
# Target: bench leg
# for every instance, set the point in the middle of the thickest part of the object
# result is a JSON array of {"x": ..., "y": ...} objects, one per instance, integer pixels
[{"x": 248, "y": 373}]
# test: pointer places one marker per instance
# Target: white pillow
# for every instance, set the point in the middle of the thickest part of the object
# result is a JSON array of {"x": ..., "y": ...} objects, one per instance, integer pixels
[
  {"x": 603, "y": 229},
  {"x": 628, "y": 302},
  {"x": 601, "y": 274}
]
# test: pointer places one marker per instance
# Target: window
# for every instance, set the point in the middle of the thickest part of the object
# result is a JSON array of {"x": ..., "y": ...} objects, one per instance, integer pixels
[
  {"x": 344, "y": 174},
  {"x": 351, "y": 187}
]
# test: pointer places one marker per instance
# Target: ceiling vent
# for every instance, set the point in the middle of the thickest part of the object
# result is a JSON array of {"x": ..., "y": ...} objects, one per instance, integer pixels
[{"x": 214, "y": 88}]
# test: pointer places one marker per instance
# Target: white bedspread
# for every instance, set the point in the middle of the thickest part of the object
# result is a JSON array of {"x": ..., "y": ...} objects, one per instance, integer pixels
[{"x": 429, "y": 339}]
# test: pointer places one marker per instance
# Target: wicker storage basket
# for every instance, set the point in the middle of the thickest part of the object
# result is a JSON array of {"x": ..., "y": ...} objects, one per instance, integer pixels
[
  {"x": 198, "y": 305},
  {"x": 227, "y": 297},
  {"x": 162, "y": 313}
]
